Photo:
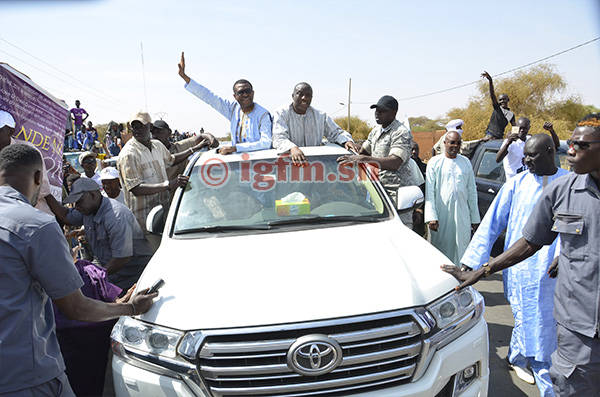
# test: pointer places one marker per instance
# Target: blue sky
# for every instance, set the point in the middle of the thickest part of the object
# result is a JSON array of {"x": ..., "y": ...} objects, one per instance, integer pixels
[{"x": 400, "y": 48}]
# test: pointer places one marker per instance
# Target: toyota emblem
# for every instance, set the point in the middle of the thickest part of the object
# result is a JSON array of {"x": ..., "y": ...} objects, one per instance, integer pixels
[{"x": 313, "y": 355}]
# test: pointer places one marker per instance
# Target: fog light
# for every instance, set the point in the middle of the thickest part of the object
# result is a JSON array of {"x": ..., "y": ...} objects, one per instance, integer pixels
[
  {"x": 465, "y": 378},
  {"x": 468, "y": 373}
]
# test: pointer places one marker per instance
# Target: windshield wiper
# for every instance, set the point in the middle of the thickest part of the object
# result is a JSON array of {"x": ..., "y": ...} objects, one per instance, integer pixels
[
  {"x": 222, "y": 228},
  {"x": 325, "y": 219}
]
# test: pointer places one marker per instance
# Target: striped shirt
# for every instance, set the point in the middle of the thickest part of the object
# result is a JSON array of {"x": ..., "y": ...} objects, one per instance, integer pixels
[
  {"x": 292, "y": 129},
  {"x": 137, "y": 164}
]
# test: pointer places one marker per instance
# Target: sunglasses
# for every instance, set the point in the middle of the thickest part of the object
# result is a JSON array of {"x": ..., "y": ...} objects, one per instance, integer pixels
[
  {"x": 244, "y": 92},
  {"x": 579, "y": 145},
  {"x": 88, "y": 162}
]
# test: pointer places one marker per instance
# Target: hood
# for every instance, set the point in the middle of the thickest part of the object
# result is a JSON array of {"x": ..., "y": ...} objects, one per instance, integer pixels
[{"x": 293, "y": 276}]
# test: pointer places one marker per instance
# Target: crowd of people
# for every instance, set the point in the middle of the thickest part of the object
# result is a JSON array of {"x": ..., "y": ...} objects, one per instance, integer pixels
[{"x": 106, "y": 208}]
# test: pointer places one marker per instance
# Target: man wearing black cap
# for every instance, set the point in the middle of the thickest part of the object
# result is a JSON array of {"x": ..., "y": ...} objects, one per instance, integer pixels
[
  {"x": 299, "y": 124},
  {"x": 389, "y": 145},
  {"x": 161, "y": 132},
  {"x": 111, "y": 229}
]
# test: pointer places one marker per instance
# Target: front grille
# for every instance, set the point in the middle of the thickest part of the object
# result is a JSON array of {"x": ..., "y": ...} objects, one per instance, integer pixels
[{"x": 378, "y": 351}]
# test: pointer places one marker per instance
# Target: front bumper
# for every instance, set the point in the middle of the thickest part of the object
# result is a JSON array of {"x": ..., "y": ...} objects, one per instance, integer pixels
[{"x": 469, "y": 349}]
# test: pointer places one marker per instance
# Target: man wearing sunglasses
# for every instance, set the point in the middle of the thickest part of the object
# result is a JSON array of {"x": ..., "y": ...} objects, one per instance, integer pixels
[
  {"x": 527, "y": 286},
  {"x": 250, "y": 123},
  {"x": 570, "y": 208},
  {"x": 88, "y": 163}
]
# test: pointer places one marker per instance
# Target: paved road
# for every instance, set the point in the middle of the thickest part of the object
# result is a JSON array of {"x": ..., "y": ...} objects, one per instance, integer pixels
[{"x": 503, "y": 382}]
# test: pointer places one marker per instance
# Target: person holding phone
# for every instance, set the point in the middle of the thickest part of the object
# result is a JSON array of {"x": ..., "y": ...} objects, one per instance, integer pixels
[
  {"x": 511, "y": 151},
  {"x": 37, "y": 268}
]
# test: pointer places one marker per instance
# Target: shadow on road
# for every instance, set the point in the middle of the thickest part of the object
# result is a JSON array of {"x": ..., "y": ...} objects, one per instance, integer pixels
[{"x": 503, "y": 381}]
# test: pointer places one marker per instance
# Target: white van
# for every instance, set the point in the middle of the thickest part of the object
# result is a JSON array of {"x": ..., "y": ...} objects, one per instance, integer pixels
[{"x": 283, "y": 280}]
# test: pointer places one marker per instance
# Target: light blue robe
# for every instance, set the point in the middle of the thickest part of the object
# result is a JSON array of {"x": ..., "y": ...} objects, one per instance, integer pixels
[
  {"x": 527, "y": 286},
  {"x": 451, "y": 199}
]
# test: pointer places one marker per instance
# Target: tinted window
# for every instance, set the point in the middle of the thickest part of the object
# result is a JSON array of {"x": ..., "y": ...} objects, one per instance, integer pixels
[{"x": 489, "y": 169}]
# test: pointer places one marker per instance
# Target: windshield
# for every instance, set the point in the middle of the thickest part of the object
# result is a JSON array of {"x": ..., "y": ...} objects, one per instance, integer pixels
[{"x": 273, "y": 193}]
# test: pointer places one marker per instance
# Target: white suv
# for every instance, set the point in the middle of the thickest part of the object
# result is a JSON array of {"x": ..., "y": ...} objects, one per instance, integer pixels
[{"x": 298, "y": 281}]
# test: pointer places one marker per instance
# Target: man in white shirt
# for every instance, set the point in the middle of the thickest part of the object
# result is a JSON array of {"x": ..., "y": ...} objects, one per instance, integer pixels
[{"x": 511, "y": 152}]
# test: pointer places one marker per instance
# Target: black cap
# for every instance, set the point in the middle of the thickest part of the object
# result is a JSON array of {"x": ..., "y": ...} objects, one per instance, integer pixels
[
  {"x": 386, "y": 102},
  {"x": 161, "y": 125}
]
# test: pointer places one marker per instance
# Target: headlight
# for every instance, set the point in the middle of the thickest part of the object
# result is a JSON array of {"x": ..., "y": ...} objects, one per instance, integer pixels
[
  {"x": 147, "y": 338},
  {"x": 456, "y": 307}
]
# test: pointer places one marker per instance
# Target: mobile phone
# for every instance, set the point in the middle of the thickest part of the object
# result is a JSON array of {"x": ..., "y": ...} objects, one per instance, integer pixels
[{"x": 156, "y": 286}]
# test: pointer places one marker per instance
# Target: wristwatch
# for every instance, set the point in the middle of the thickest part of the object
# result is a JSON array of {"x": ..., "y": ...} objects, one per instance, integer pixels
[
  {"x": 166, "y": 185},
  {"x": 486, "y": 270}
]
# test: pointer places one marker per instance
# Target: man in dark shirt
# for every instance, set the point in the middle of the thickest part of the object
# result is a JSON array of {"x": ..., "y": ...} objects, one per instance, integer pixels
[
  {"x": 501, "y": 115},
  {"x": 418, "y": 224},
  {"x": 415, "y": 156}
]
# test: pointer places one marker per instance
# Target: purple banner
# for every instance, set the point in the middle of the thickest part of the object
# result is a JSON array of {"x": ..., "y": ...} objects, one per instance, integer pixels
[{"x": 40, "y": 119}]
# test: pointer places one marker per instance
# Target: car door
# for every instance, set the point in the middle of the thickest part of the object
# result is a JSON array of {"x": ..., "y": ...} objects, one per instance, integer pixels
[{"x": 489, "y": 176}]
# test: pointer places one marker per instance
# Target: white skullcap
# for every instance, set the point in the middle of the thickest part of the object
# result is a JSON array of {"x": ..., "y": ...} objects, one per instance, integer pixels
[
  {"x": 109, "y": 173},
  {"x": 453, "y": 126},
  {"x": 6, "y": 119}
]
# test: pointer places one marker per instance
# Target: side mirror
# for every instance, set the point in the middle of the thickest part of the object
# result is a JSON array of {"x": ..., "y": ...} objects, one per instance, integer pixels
[
  {"x": 409, "y": 198},
  {"x": 155, "y": 222}
]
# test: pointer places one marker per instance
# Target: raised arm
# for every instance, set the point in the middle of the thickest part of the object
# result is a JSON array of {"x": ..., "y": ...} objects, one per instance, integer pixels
[
  {"x": 492, "y": 93},
  {"x": 550, "y": 128},
  {"x": 513, "y": 136},
  {"x": 182, "y": 69}
]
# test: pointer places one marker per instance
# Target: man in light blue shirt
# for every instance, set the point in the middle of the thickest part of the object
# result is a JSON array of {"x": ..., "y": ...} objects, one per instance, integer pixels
[
  {"x": 250, "y": 123},
  {"x": 527, "y": 286}
]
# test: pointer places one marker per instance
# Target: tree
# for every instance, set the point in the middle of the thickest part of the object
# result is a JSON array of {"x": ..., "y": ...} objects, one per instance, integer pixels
[
  {"x": 539, "y": 93},
  {"x": 358, "y": 128},
  {"x": 423, "y": 123}
]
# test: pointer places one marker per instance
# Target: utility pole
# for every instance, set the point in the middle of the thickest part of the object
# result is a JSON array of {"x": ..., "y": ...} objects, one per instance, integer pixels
[
  {"x": 144, "y": 75},
  {"x": 349, "y": 91}
]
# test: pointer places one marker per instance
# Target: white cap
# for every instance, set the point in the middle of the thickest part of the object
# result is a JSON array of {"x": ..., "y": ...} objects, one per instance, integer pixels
[
  {"x": 454, "y": 126},
  {"x": 109, "y": 173},
  {"x": 6, "y": 119}
]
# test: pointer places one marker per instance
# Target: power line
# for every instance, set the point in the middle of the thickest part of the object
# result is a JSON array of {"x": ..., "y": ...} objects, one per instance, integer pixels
[
  {"x": 339, "y": 110},
  {"x": 496, "y": 75},
  {"x": 58, "y": 78}
]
